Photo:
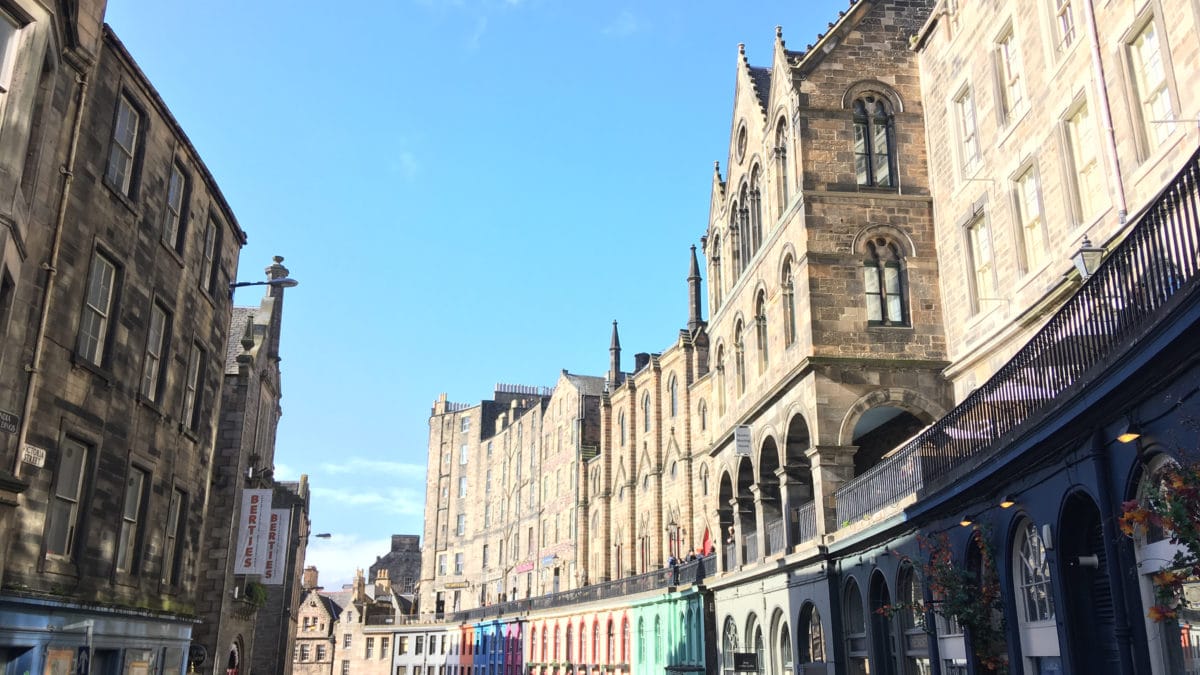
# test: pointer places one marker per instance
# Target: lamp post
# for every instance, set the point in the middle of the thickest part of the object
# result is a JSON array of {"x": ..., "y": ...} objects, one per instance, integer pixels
[
  {"x": 1087, "y": 259},
  {"x": 282, "y": 282}
]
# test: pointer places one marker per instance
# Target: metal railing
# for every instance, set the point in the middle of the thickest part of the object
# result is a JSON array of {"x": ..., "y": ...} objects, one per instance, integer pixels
[
  {"x": 690, "y": 572},
  {"x": 775, "y": 541},
  {"x": 1157, "y": 261},
  {"x": 730, "y": 557},
  {"x": 804, "y": 521},
  {"x": 749, "y": 547}
]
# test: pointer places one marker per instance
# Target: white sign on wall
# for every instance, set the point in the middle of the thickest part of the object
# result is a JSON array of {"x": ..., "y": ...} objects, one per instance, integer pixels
[
  {"x": 252, "y": 532},
  {"x": 276, "y": 548},
  {"x": 741, "y": 440}
]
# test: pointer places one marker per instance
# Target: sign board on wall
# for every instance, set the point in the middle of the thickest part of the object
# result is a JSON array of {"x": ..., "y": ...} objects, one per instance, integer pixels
[
  {"x": 251, "y": 555},
  {"x": 278, "y": 529},
  {"x": 741, "y": 440}
]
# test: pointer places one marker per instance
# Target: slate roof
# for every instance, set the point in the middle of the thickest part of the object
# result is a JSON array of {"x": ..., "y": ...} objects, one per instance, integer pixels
[
  {"x": 233, "y": 341},
  {"x": 587, "y": 384},
  {"x": 761, "y": 77}
]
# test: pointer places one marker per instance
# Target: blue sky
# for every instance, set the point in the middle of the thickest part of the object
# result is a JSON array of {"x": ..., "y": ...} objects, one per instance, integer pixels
[{"x": 469, "y": 192}]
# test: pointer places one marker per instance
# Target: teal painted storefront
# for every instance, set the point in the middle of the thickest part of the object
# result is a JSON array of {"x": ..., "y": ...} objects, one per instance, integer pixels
[{"x": 670, "y": 632}]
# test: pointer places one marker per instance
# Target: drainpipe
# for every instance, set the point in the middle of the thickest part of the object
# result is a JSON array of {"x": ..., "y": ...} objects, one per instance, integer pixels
[
  {"x": 1110, "y": 138},
  {"x": 1116, "y": 585},
  {"x": 51, "y": 266}
]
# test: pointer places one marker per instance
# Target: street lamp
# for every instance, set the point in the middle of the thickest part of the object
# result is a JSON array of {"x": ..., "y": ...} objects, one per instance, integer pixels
[
  {"x": 324, "y": 535},
  {"x": 1087, "y": 258}
]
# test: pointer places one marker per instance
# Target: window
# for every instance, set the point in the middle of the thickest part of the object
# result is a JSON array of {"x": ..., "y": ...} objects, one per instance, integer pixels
[
  {"x": 874, "y": 142},
  {"x": 720, "y": 379},
  {"x": 739, "y": 357},
  {"x": 760, "y": 329},
  {"x": 402, "y": 643},
  {"x": 646, "y": 413},
  {"x": 1032, "y": 228},
  {"x": 729, "y": 645},
  {"x": 487, "y": 515},
  {"x": 69, "y": 482},
  {"x": 419, "y": 646},
  {"x": 462, "y": 486},
  {"x": 983, "y": 267},
  {"x": 1008, "y": 73},
  {"x": 785, "y": 649},
  {"x": 173, "y": 544},
  {"x": 882, "y": 284},
  {"x": 621, "y": 427},
  {"x": 127, "y": 126},
  {"x": 673, "y": 395},
  {"x": 97, "y": 309},
  {"x": 715, "y": 260},
  {"x": 856, "y": 628},
  {"x": 968, "y": 132},
  {"x": 1150, "y": 79},
  {"x": 346, "y": 640},
  {"x": 610, "y": 650},
  {"x": 1064, "y": 23},
  {"x": 463, "y": 453},
  {"x": 461, "y": 525},
  {"x": 789, "y": 303},
  {"x": 442, "y": 565},
  {"x": 369, "y": 649},
  {"x": 915, "y": 641},
  {"x": 320, "y": 652},
  {"x": 173, "y": 218},
  {"x": 812, "y": 635},
  {"x": 303, "y": 652},
  {"x": 465, "y": 425},
  {"x": 132, "y": 513},
  {"x": 10, "y": 33},
  {"x": 458, "y": 563},
  {"x": 702, "y": 409},
  {"x": 754, "y": 200},
  {"x": 154, "y": 363},
  {"x": 1085, "y": 165},
  {"x": 192, "y": 388},
  {"x": 570, "y": 638},
  {"x": 208, "y": 273},
  {"x": 781, "y": 163},
  {"x": 485, "y": 556},
  {"x": 704, "y": 480},
  {"x": 596, "y": 642},
  {"x": 1034, "y": 597},
  {"x": 345, "y": 667}
]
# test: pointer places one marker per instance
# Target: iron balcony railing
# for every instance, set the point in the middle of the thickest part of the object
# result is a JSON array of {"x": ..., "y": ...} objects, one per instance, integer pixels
[
  {"x": 1156, "y": 262},
  {"x": 775, "y": 542},
  {"x": 688, "y": 572},
  {"x": 749, "y": 547},
  {"x": 804, "y": 522}
]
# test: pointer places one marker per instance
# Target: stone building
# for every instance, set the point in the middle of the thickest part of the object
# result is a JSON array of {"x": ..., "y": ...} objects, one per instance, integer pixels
[
  {"x": 118, "y": 252},
  {"x": 230, "y": 600},
  {"x": 402, "y": 563},
  {"x": 906, "y": 359},
  {"x": 317, "y": 614}
]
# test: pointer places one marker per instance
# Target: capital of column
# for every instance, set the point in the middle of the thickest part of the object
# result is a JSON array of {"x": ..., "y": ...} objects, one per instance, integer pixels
[{"x": 831, "y": 455}]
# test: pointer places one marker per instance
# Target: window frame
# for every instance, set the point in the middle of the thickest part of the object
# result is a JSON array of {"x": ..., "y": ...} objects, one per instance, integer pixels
[
  {"x": 875, "y": 108},
  {"x": 125, "y": 183},
  {"x": 175, "y": 214},
  {"x": 211, "y": 265},
  {"x": 1027, "y": 229},
  {"x": 970, "y": 149},
  {"x": 71, "y": 531},
  {"x": 1148, "y": 128},
  {"x": 130, "y": 534},
  {"x": 1079, "y": 136},
  {"x": 156, "y": 355},
  {"x": 193, "y": 387},
  {"x": 98, "y": 354},
  {"x": 174, "y": 536},
  {"x": 976, "y": 272},
  {"x": 1011, "y": 96}
]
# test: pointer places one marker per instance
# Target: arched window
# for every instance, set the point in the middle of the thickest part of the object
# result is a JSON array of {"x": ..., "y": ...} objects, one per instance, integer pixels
[
  {"x": 855, "y": 627},
  {"x": 641, "y": 646},
  {"x": 582, "y": 642},
  {"x": 717, "y": 280},
  {"x": 788, "y": 288},
  {"x": 646, "y": 412},
  {"x": 729, "y": 645},
  {"x": 621, "y": 427},
  {"x": 756, "y": 224},
  {"x": 704, "y": 480},
  {"x": 739, "y": 358},
  {"x": 874, "y": 142},
  {"x": 545, "y": 639},
  {"x": 883, "y": 284},
  {"x": 781, "y": 163},
  {"x": 702, "y": 409},
  {"x": 811, "y": 634},
  {"x": 785, "y": 649},
  {"x": 673, "y": 394},
  {"x": 658, "y": 641},
  {"x": 760, "y": 329},
  {"x": 1034, "y": 593},
  {"x": 737, "y": 238},
  {"x": 754, "y": 640},
  {"x": 533, "y": 644},
  {"x": 570, "y": 646},
  {"x": 595, "y": 642},
  {"x": 557, "y": 641},
  {"x": 612, "y": 639},
  {"x": 915, "y": 643},
  {"x": 721, "y": 380},
  {"x": 625, "y": 640}
]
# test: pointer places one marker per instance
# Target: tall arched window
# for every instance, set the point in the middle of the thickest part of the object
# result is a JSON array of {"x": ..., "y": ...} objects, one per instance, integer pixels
[
  {"x": 557, "y": 640},
  {"x": 737, "y": 238},
  {"x": 612, "y": 640},
  {"x": 883, "y": 284},
  {"x": 1034, "y": 593},
  {"x": 673, "y": 394},
  {"x": 874, "y": 142},
  {"x": 745, "y": 228},
  {"x": 621, "y": 427},
  {"x": 739, "y": 358},
  {"x": 583, "y": 642},
  {"x": 781, "y": 163},
  {"x": 729, "y": 645},
  {"x": 754, "y": 640},
  {"x": 641, "y": 646},
  {"x": 533, "y": 644},
  {"x": 625, "y": 640},
  {"x": 658, "y": 641},
  {"x": 721, "y": 380},
  {"x": 702, "y": 409},
  {"x": 785, "y": 649},
  {"x": 545, "y": 639},
  {"x": 760, "y": 329},
  {"x": 787, "y": 287},
  {"x": 595, "y": 642},
  {"x": 570, "y": 646},
  {"x": 812, "y": 635},
  {"x": 646, "y": 412},
  {"x": 915, "y": 643},
  {"x": 704, "y": 480},
  {"x": 855, "y": 627},
  {"x": 714, "y": 258},
  {"x": 756, "y": 221}
]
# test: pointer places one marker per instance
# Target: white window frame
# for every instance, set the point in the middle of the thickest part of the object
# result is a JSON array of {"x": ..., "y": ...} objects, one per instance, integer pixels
[
  {"x": 191, "y": 388},
  {"x": 173, "y": 212},
  {"x": 1152, "y": 93},
  {"x": 174, "y": 537},
  {"x": 132, "y": 515},
  {"x": 97, "y": 309},
  {"x": 1083, "y": 158},
  {"x": 1010, "y": 75},
  {"x": 1030, "y": 219},
  {"x": 155, "y": 359},
  {"x": 70, "y": 480},
  {"x": 967, "y": 123},
  {"x": 982, "y": 258},
  {"x": 123, "y": 146}
]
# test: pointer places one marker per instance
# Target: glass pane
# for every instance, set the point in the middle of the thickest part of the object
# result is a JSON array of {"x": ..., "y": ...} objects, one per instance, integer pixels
[
  {"x": 133, "y": 494},
  {"x": 70, "y": 470}
]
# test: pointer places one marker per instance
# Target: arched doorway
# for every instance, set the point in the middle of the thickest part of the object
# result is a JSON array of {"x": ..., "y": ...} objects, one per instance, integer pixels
[
  {"x": 881, "y": 429},
  {"x": 770, "y": 497},
  {"x": 725, "y": 504},
  {"x": 745, "y": 513},
  {"x": 1091, "y": 622},
  {"x": 882, "y": 627},
  {"x": 798, "y": 487}
]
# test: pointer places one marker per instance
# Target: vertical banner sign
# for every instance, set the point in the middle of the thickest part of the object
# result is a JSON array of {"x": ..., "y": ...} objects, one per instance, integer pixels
[
  {"x": 276, "y": 549},
  {"x": 252, "y": 533}
]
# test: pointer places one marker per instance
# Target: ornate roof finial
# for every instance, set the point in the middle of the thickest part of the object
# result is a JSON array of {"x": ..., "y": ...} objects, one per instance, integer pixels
[{"x": 778, "y": 32}]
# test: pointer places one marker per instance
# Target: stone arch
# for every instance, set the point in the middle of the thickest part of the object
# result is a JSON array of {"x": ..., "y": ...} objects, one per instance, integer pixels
[
  {"x": 908, "y": 400},
  {"x": 881, "y": 420},
  {"x": 863, "y": 87},
  {"x": 899, "y": 237}
]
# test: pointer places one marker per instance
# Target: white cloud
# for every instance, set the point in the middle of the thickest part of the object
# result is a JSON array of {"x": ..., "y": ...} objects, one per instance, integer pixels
[
  {"x": 623, "y": 25},
  {"x": 338, "y": 557},
  {"x": 361, "y": 466}
]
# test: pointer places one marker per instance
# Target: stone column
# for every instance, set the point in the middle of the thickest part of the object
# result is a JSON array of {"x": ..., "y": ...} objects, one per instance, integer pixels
[
  {"x": 832, "y": 465},
  {"x": 760, "y": 524},
  {"x": 792, "y": 493}
]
